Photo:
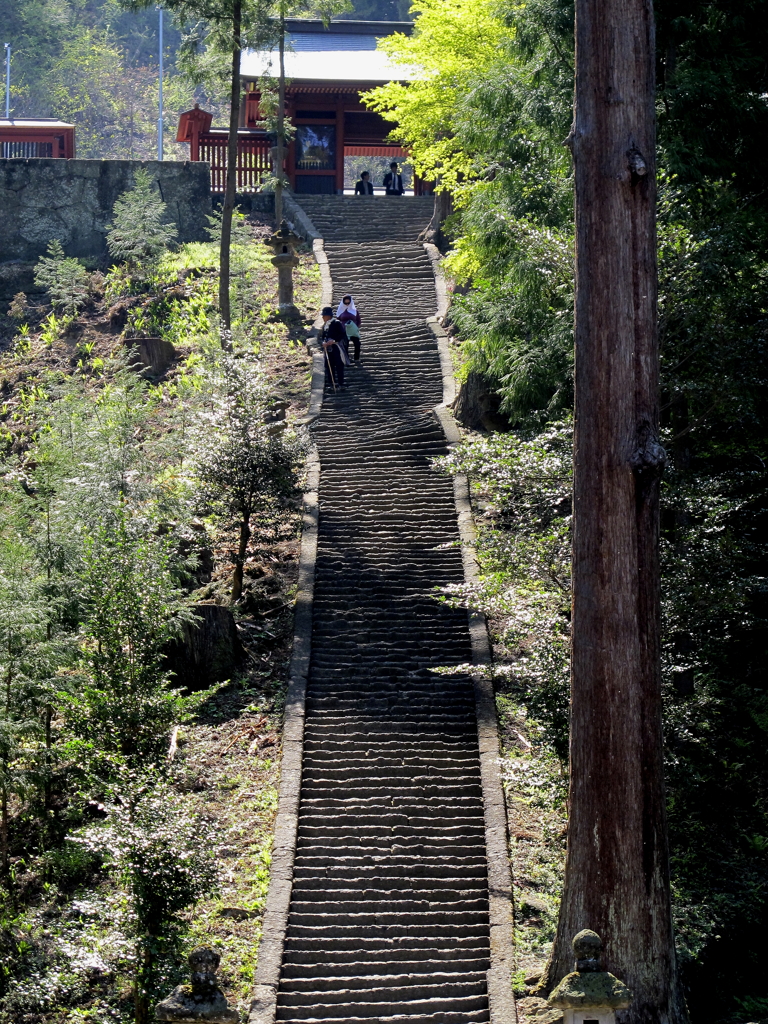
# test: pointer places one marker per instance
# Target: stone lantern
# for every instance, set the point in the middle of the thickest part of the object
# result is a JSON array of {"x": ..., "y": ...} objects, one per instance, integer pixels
[
  {"x": 285, "y": 259},
  {"x": 200, "y": 1000},
  {"x": 589, "y": 995}
]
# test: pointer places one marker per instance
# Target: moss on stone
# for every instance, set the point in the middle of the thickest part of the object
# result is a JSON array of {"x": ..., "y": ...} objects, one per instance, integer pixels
[{"x": 593, "y": 988}]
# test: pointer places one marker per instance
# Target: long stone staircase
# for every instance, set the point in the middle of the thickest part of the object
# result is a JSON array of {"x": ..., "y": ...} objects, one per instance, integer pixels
[
  {"x": 389, "y": 918},
  {"x": 368, "y": 218}
]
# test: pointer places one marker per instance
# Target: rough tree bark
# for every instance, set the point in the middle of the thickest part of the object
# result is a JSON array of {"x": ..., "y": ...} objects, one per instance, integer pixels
[
  {"x": 433, "y": 231},
  {"x": 230, "y": 193},
  {"x": 617, "y": 877},
  {"x": 242, "y": 548},
  {"x": 4, "y": 850}
]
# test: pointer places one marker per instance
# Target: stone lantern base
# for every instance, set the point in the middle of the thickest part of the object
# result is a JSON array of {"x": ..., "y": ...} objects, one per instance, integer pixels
[
  {"x": 201, "y": 999},
  {"x": 285, "y": 262},
  {"x": 589, "y": 1015}
]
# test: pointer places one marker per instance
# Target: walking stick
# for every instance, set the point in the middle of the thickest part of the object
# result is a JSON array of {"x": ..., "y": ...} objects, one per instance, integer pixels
[{"x": 330, "y": 368}]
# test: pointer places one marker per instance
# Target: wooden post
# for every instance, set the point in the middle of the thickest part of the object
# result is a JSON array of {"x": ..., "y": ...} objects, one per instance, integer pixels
[
  {"x": 339, "y": 144},
  {"x": 280, "y": 148},
  {"x": 230, "y": 193},
  {"x": 617, "y": 875},
  {"x": 290, "y": 170}
]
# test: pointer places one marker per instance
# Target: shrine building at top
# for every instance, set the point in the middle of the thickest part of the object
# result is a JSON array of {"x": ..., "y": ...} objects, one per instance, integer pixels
[{"x": 327, "y": 68}]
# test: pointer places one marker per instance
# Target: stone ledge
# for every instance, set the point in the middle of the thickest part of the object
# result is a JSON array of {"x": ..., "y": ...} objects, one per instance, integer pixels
[
  {"x": 441, "y": 287},
  {"x": 299, "y": 218},
  {"x": 263, "y": 1005},
  {"x": 73, "y": 200}
]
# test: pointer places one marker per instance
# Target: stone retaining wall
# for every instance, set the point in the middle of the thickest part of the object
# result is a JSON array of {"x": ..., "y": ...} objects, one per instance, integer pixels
[{"x": 72, "y": 200}]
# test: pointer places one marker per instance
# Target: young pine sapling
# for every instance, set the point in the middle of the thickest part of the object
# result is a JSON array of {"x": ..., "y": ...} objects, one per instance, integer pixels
[
  {"x": 139, "y": 233},
  {"x": 242, "y": 463},
  {"x": 64, "y": 278}
]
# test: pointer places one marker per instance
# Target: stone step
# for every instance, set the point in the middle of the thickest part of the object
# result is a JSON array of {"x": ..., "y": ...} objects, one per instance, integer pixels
[
  {"x": 445, "y": 982},
  {"x": 445, "y": 1010},
  {"x": 303, "y": 965},
  {"x": 445, "y": 992},
  {"x": 410, "y": 911},
  {"x": 428, "y": 890},
  {"x": 402, "y": 1016},
  {"x": 467, "y": 834},
  {"x": 334, "y": 948},
  {"x": 389, "y": 911},
  {"x": 317, "y": 924}
]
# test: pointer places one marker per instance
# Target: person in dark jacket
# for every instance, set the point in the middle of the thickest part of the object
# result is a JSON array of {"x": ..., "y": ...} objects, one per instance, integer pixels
[
  {"x": 393, "y": 182},
  {"x": 332, "y": 337},
  {"x": 364, "y": 187}
]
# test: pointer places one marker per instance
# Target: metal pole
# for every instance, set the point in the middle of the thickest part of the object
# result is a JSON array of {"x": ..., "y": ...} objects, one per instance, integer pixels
[
  {"x": 330, "y": 368},
  {"x": 160, "y": 95},
  {"x": 8, "y": 81}
]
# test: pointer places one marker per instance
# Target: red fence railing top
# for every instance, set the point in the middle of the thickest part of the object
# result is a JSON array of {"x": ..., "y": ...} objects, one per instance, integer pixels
[{"x": 253, "y": 160}]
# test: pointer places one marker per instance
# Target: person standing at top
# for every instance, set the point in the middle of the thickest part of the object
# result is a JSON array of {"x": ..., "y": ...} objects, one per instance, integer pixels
[
  {"x": 332, "y": 338},
  {"x": 348, "y": 315},
  {"x": 393, "y": 182},
  {"x": 364, "y": 187}
]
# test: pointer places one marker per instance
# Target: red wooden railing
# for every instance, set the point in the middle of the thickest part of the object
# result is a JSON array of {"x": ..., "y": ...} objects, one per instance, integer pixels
[
  {"x": 24, "y": 139},
  {"x": 253, "y": 160}
]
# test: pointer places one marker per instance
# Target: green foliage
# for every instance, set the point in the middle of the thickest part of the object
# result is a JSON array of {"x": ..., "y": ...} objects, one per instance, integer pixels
[
  {"x": 98, "y": 448},
  {"x": 18, "y": 309},
  {"x": 97, "y": 543},
  {"x": 523, "y": 485},
  {"x": 132, "y": 609},
  {"x": 242, "y": 462},
  {"x": 65, "y": 279},
  {"x": 518, "y": 319},
  {"x": 32, "y": 652},
  {"x": 162, "y": 854},
  {"x": 240, "y": 458},
  {"x": 91, "y": 516},
  {"x": 95, "y": 65},
  {"x": 164, "y": 859},
  {"x": 712, "y": 77},
  {"x": 138, "y": 234},
  {"x": 455, "y": 43},
  {"x": 22, "y": 341}
]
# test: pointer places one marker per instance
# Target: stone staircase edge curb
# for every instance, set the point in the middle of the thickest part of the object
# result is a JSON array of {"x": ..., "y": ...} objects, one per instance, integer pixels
[
  {"x": 325, "y": 273},
  {"x": 502, "y": 1005},
  {"x": 301, "y": 220},
  {"x": 264, "y": 998},
  {"x": 441, "y": 286},
  {"x": 270, "y": 957}
]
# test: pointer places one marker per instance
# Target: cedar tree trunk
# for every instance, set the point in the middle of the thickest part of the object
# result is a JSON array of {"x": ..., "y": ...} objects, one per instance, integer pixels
[
  {"x": 4, "y": 832},
  {"x": 230, "y": 193},
  {"x": 617, "y": 874},
  {"x": 237, "y": 578},
  {"x": 48, "y": 745},
  {"x": 143, "y": 972}
]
